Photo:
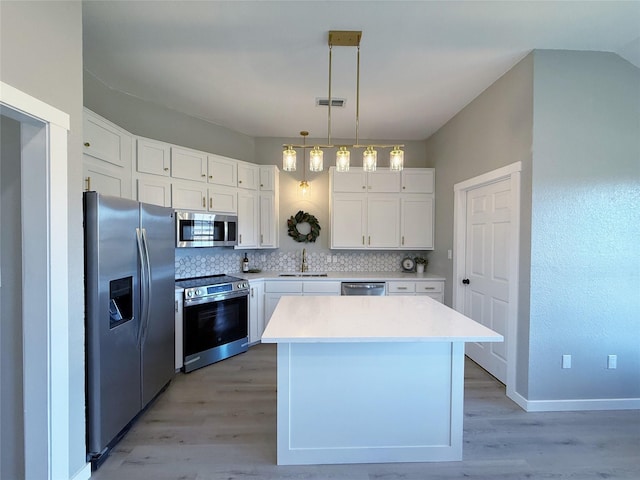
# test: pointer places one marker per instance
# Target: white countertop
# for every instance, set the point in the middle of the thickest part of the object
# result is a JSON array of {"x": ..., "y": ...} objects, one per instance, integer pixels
[
  {"x": 371, "y": 319},
  {"x": 344, "y": 276}
]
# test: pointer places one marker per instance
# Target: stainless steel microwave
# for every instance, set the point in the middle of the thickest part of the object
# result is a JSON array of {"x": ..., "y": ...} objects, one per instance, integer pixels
[{"x": 195, "y": 229}]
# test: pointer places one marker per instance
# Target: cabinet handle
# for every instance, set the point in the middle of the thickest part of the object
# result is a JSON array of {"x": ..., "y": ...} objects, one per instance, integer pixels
[
  {"x": 252, "y": 293},
  {"x": 176, "y": 306},
  {"x": 429, "y": 288},
  {"x": 402, "y": 288},
  {"x": 210, "y": 202},
  {"x": 204, "y": 202},
  {"x": 240, "y": 238},
  {"x": 239, "y": 181},
  {"x": 166, "y": 169},
  {"x": 88, "y": 184},
  {"x": 203, "y": 175},
  {"x": 363, "y": 187},
  {"x": 261, "y": 185},
  {"x": 261, "y": 238},
  {"x": 369, "y": 239},
  {"x": 87, "y": 144},
  {"x": 363, "y": 239},
  {"x": 404, "y": 188},
  {"x": 403, "y": 240},
  {"x": 210, "y": 176}
]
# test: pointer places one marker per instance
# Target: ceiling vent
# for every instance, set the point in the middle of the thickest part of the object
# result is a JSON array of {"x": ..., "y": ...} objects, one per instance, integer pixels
[{"x": 335, "y": 102}]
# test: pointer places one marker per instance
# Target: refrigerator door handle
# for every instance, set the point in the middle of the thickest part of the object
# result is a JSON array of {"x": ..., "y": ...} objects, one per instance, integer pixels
[
  {"x": 147, "y": 266},
  {"x": 143, "y": 286}
]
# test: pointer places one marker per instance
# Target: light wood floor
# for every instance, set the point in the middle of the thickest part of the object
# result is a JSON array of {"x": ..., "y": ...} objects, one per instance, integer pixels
[{"x": 219, "y": 422}]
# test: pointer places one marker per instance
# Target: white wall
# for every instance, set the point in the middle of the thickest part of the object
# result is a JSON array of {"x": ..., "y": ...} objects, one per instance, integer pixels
[
  {"x": 41, "y": 55},
  {"x": 585, "y": 226}
]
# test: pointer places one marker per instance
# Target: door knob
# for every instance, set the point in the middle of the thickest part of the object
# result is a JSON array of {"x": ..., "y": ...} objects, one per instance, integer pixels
[{"x": 465, "y": 281}]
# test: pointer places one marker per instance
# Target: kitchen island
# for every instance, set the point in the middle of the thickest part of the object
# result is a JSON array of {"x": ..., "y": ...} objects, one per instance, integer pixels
[{"x": 370, "y": 379}]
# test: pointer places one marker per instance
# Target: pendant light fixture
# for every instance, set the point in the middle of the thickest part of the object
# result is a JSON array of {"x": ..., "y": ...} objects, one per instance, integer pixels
[{"x": 342, "y": 38}]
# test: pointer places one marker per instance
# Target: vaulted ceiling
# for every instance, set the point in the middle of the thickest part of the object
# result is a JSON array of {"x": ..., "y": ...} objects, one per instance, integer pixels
[{"x": 257, "y": 67}]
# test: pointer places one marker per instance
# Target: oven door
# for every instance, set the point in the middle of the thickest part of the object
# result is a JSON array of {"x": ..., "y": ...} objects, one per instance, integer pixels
[{"x": 215, "y": 329}]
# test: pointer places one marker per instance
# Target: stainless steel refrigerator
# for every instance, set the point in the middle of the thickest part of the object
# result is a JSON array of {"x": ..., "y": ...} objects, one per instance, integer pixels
[{"x": 130, "y": 328}]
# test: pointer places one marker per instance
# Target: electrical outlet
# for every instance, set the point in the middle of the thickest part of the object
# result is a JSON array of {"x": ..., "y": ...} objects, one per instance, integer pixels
[
  {"x": 335, "y": 259},
  {"x": 566, "y": 361},
  {"x": 263, "y": 258},
  {"x": 612, "y": 361},
  {"x": 328, "y": 258}
]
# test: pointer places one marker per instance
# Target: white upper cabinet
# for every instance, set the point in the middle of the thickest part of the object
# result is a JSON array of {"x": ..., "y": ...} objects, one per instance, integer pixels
[
  {"x": 417, "y": 221},
  {"x": 188, "y": 164},
  {"x": 268, "y": 220},
  {"x": 248, "y": 219},
  {"x": 248, "y": 176},
  {"x": 369, "y": 212},
  {"x": 222, "y": 171},
  {"x": 189, "y": 196},
  {"x": 223, "y": 199},
  {"x": 153, "y": 157},
  {"x": 268, "y": 178},
  {"x": 154, "y": 190},
  {"x": 357, "y": 181},
  {"x": 417, "y": 180},
  {"x": 106, "y": 163}
]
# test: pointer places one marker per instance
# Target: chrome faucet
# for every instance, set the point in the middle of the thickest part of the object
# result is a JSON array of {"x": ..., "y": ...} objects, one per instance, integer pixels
[{"x": 304, "y": 267}]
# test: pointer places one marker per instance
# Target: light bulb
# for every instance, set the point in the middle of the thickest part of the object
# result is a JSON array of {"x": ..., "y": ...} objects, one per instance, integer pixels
[
  {"x": 342, "y": 159},
  {"x": 315, "y": 160},
  {"x": 304, "y": 187},
  {"x": 396, "y": 159},
  {"x": 289, "y": 160},
  {"x": 369, "y": 160}
]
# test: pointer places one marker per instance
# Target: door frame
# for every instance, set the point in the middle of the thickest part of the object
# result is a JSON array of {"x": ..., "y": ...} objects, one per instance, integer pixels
[
  {"x": 512, "y": 173},
  {"x": 45, "y": 317}
]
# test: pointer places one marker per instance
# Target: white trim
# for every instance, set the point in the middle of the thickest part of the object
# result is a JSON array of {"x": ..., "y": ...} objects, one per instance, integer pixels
[
  {"x": 83, "y": 474},
  {"x": 584, "y": 404},
  {"x": 44, "y": 132},
  {"x": 511, "y": 172}
]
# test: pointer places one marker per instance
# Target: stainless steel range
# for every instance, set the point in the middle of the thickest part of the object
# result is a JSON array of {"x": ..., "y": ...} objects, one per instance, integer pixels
[{"x": 215, "y": 319}]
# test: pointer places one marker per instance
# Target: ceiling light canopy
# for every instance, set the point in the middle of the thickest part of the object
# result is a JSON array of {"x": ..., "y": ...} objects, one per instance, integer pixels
[{"x": 341, "y": 38}]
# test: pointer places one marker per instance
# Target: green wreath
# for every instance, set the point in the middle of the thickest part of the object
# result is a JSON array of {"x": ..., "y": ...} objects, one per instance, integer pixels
[{"x": 303, "y": 217}]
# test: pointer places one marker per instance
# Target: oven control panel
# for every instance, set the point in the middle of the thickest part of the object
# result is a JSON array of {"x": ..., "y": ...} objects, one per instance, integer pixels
[{"x": 215, "y": 290}]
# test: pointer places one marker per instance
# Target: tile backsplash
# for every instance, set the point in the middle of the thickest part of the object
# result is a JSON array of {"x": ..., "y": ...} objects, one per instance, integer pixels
[{"x": 193, "y": 262}]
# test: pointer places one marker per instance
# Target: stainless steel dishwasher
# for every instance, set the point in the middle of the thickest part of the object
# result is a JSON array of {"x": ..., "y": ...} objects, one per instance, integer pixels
[{"x": 362, "y": 288}]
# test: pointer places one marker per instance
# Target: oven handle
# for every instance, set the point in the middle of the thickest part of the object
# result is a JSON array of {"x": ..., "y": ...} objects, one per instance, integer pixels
[{"x": 189, "y": 302}]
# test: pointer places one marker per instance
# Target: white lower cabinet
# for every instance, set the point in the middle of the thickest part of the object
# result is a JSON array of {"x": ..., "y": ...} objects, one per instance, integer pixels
[
  {"x": 431, "y": 288},
  {"x": 275, "y": 290},
  {"x": 256, "y": 310},
  {"x": 179, "y": 329}
]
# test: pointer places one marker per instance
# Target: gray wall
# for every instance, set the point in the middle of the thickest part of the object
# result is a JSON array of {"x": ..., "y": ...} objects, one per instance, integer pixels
[
  {"x": 585, "y": 227},
  {"x": 11, "y": 368},
  {"x": 160, "y": 123},
  {"x": 41, "y": 54},
  {"x": 573, "y": 119}
]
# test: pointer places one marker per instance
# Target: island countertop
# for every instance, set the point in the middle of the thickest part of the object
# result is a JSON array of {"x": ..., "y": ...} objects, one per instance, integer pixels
[{"x": 329, "y": 319}]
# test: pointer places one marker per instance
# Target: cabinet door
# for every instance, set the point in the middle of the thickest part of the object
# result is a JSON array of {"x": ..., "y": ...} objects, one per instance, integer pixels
[
  {"x": 348, "y": 220},
  {"x": 189, "y": 196},
  {"x": 153, "y": 157},
  {"x": 247, "y": 219},
  {"x": 268, "y": 175},
  {"x": 383, "y": 182},
  {"x": 188, "y": 164},
  {"x": 417, "y": 222},
  {"x": 270, "y": 303},
  {"x": 354, "y": 181},
  {"x": 105, "y": 179},
  {"x": 222, "y": 171},
  {"x": 268, "y": 221},
  {"x": 223, "y": 200},
  {"x": 248, "y": 176},
  {"x": 179, "y": 352},
  {"x": 401, "y": 288},
  {"x": 383, "y": 221},
  {"x": 256, "y": 310},
  {"x": 417, "y": 180},
  {"x": 154, "y": 190},
  {"x": 104, "y": 141}
]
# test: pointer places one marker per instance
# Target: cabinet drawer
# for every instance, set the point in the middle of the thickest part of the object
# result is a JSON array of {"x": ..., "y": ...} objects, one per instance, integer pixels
[
  {"x": 428, "y": 287},
  {"x": 321, "y": 287},
  {"x": 401, "y": 287},
  {"x": 283, "y": 287}
]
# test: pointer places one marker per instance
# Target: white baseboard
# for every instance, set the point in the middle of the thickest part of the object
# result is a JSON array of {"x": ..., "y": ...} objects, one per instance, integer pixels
[
  {"x": 574, "y": 405},
  {"x": 83, "y": 474}
]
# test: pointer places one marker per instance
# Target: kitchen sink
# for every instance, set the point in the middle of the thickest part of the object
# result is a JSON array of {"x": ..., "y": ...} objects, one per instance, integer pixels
[{"x": 302, "y": 274}]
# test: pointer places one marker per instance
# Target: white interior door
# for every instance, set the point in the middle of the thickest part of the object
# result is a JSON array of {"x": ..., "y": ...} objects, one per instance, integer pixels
[{"x": 486, "y": 282}]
